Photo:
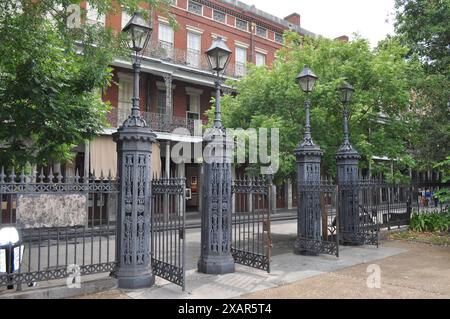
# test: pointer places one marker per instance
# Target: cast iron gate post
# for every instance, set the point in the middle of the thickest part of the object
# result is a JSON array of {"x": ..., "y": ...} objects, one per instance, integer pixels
[
  {"x": 347, "y": 159},
  {"x": 216, "y": 257},
  {"x": 134, "y": 143},
  {"x": 308, "y": 157}
]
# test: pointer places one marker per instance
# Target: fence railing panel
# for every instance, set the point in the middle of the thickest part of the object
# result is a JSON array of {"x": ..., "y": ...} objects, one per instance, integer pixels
[
  {"x": 168, "y": 229},
  {"x": 66, "y": 225}
]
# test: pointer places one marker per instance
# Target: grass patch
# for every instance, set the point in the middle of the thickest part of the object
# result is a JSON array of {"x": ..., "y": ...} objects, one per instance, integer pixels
[{"x": 434, "y": 238}]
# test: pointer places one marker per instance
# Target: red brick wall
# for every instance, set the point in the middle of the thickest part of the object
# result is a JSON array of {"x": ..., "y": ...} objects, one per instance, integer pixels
[{"x": 209, "y": 26}]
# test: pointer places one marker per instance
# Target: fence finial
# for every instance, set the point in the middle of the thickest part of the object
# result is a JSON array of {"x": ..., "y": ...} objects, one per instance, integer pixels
[
  {"x": 50, "y": 175},
  {"x": 12, "y": 176},
  {"x": 77, "y": 176},
  {"x": 41, "y": 175}
]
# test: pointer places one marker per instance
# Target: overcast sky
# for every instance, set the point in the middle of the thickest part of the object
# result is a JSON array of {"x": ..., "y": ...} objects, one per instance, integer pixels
[{"x": 373, "y": 19}]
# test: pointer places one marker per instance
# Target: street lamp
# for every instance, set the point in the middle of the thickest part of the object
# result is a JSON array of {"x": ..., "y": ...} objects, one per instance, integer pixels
[
  {"x": 218, "y": 58},
  {"x": 138, "y": 35},
  {"x": 347, "y": 160},
  {"x": 216, "y": 234},
  {"x": 308, "y": 157},
  {"x": 346, "y": 95},
  {"x": 306, "y": 80},
  {"x": 134, "y": 140}
]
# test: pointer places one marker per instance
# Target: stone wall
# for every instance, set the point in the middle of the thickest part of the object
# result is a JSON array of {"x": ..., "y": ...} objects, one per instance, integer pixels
[{"x": 51, "y": 210}]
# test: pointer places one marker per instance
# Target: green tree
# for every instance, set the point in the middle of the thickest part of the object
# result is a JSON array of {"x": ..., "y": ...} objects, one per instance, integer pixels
[
  {"x": 379, "y": 121},
  {"x": 424, "y": 26},
  {"x": 52, "y": 74}
]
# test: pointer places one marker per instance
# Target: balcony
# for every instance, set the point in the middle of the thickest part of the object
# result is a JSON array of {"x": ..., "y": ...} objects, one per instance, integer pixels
[
  {"x": 165, "y": 51},
  {"x": 158, "y": 122}
]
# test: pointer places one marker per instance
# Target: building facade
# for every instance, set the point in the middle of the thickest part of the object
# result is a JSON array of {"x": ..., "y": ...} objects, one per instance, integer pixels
[{"x": 176, "y": 84}]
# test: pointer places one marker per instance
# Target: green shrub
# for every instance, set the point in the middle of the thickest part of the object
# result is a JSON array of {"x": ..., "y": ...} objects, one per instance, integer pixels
[{"x": 430, "y": 222}]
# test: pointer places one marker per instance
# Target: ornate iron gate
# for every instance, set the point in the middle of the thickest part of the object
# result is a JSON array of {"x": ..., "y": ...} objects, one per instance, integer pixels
[
  {"x": 369, "y": 205},
  {"x": 317, "y": 219},
  {"x": 252, "y": 205},
  {"x": 168, "y": 229}
]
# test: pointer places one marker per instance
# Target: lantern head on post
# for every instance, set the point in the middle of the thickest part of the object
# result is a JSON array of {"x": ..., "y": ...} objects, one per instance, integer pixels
[
  {"x": 306, "y": 79},
  {"x": 347, "y": 92},
  {"x": 218, "y": 55},
  {"x": 138, "y": 32}
]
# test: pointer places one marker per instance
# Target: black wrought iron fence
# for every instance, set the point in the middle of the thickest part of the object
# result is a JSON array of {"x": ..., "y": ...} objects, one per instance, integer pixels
[
  {"x": 251, "y": 235},
  {"x": 168, "y": 229},
  {"x": 367, "y": 206},
  {"x": 318, "y": 218},
  {"x": 66, "y": 225}
]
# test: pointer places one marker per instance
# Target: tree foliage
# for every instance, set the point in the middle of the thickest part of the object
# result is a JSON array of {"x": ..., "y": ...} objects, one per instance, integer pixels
[
  {"x": 52, "y": 76},
  {"x": 380, "y": 122},
  {"x": 424, "y": 26}
]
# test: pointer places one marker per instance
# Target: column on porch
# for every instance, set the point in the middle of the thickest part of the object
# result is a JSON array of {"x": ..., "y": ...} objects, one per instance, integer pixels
[
  {"x": 288, "y": 194},
  {"x": 167, "y": 176},
  {"x": 168, "y": 78}
]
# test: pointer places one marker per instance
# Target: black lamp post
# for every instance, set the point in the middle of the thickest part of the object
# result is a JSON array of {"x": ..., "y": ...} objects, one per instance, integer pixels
[
  {"x": 216, "y": 257},
  {"x": 306, "y": 80},
  {"x": 308, "y": 157},
  {"x": 347, "y": 159},
  {"x": 138, "y": 34},
  {"x": 134, "y": 144},
  {"x": 218, "y": 58},
  {"x": 347, "y": 93}
]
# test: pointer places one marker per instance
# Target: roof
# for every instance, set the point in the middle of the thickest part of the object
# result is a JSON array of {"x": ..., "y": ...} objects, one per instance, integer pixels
[{"x": 252, "y": 9}]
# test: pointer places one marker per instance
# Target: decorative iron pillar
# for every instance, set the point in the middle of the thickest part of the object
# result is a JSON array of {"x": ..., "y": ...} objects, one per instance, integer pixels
[
  {"x": 308, "y": 157},
  {"x": 347, "y": 160},
  {"x": 216, "y": 237},
  {"x": 134, "y": 143}
]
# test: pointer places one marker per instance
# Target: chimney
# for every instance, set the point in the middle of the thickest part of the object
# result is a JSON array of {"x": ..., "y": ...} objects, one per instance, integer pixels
[
  {"x": 293, "y": 18},
  {"x": 342, "y": 38}
]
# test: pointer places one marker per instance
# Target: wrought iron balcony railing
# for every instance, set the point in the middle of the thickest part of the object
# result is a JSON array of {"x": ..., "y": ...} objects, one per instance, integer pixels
[
  {"x": 195, "y": 59},
  {"x": 157, "y": 121}
]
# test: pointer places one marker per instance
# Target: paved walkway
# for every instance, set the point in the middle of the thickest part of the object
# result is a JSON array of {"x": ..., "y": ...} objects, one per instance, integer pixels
[
  {"x": 421, "y": 271},
  {"x": 407, "y": 271}
]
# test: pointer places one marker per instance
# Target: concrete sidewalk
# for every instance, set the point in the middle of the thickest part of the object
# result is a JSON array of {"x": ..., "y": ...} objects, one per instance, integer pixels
[
  {"x": 286, "y": 268},
  {"x": 422, "y": 271}
]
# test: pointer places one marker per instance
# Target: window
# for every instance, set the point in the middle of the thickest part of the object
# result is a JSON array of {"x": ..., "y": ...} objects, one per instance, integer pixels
[
  {"x": 93, "y": 17},
  {"x": 161, "y": 102},
  {"x": 195, "y": 7},
  {"x": 262, "y": 32},
  {"x": 125, "y": 98},
  {"x": 125, "y": 18},
  {"x": 260, "y": 59},
  {"x": 279, "y": 38},
  {"x": 193, "y": 106},
  {"x": 165, "y": 39},
  {"x": 241, "y": 60},
  {"x": 241, "y": 24},
  {"x": 194, "y": 43},
  {"x": 219, "y": 16}
]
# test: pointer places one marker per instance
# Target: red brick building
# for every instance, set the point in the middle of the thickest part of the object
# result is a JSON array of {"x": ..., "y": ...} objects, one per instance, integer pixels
[{"x": 176, "y": 84}]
